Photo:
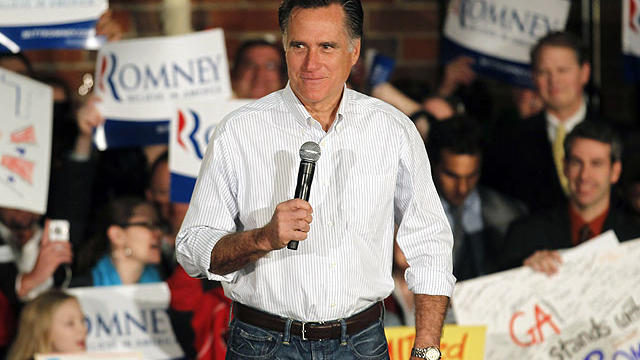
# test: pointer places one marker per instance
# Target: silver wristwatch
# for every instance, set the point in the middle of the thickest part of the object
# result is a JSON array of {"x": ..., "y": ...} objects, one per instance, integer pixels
[{"x": 428, "y": 353}]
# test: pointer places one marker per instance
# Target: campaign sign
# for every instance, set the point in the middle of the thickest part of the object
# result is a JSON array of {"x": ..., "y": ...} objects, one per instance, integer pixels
[
  {"x": 50, "y": 24},
  {"x": 129, "y": 318},
  {"x": 631, "y": 39},
  {"x": 153, "y": 70},
  {"x": 132, "y": 125},
  {"x": 589, "y": 310},
  {"x": 498, "y": 34},
  {"x": 25, "y": 142},
  {"x": 191, "y": 128},
  {"x": 457, "y": 342},
  {"x": 135, "y": 78}
]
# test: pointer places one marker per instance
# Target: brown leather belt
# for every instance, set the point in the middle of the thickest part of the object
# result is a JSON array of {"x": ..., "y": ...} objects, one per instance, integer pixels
[{"x": 311, "y": 330}]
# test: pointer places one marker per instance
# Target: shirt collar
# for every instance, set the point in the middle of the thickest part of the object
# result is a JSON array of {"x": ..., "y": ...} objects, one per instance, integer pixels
[
  {"x": 301, "y": 114},
  {"x": 471, "y": 212},
  {"x": 577, "y": 222},
  {"x": 569, "y": 123}
]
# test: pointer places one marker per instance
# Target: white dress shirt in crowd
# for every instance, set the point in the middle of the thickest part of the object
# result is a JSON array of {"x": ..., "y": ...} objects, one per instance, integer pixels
[
  {"x": 25, "y": 258},
  {"x": 569, "y": 123},
  {"x": 373, "y": 169}
]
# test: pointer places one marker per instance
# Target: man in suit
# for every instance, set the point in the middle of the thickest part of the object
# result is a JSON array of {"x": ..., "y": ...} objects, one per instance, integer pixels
[
  {"x": 592, "y": 165},
  {"x": 531, "y": 151},
  {"x": 478, "y": 215}
]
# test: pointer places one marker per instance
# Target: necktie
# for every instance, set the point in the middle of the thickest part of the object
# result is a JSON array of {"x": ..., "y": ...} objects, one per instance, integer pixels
[
  {"x": 584, "y": 234},
  {"x": 458, "y": 234},
  {"x": 558, "y": 157}
]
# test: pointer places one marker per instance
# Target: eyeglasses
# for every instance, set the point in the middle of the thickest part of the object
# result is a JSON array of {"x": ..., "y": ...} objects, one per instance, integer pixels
[{"x": 152, "y": 226}]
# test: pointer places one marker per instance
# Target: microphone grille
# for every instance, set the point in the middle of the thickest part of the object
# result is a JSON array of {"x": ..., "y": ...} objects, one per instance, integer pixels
[{"x": 310, "y": 151}]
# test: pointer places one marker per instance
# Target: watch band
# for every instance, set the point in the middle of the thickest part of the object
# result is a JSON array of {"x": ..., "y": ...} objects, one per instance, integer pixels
[{"x": 428, "y": 353}]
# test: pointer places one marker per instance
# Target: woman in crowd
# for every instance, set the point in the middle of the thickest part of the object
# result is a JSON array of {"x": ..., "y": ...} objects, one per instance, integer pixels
[
  {"x": 126, "y": 247},
  {"x": 50, "y": 323}
]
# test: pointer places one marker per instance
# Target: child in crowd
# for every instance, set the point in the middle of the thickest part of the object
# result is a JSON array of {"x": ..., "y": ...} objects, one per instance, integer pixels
[{"x": 50, "y": 323}]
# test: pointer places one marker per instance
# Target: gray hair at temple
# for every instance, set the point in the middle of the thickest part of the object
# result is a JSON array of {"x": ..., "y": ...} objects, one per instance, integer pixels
[
  {"x": 352, "y": 8},
  {"x": 598, "y": 131}
]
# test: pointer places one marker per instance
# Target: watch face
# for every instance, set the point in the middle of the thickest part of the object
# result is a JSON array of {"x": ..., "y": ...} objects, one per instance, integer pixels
[
  {"x": 433, "y": 353},
  {"x": 430, "y": 353}
]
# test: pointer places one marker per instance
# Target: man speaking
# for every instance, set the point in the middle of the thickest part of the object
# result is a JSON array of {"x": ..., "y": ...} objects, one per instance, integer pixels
[{"x": 323, "y": 299}]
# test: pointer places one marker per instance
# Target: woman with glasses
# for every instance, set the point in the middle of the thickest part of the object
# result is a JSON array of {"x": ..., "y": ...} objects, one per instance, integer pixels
[{"x": 125, "y": 249}]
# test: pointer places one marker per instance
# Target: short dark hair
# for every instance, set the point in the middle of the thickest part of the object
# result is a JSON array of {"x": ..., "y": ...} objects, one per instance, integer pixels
[
  {"x": 352, "y": 9},
  {"x": 598, "y": 131},
  {"x": 459, "y": 134},
  {"x": 248, "y": 44},
  {"x": 559, "y": 39}
]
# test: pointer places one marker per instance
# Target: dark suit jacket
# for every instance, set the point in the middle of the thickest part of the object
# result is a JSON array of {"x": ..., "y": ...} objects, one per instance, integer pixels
[
  {"x": 520, "y": 164},
  {"x": 551, "y": 230},
  {"x": 498, "y": 212}
]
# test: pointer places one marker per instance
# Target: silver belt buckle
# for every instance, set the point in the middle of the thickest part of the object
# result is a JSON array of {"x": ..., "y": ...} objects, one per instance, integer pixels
[{"x": 304, "y": 338}]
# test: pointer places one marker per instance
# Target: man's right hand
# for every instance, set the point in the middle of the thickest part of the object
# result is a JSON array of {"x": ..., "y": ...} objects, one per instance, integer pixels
[
  {"x": 546, "y": 261},
  {"x": 50, "y": 256},
  {"x": 290, "y": 221}
]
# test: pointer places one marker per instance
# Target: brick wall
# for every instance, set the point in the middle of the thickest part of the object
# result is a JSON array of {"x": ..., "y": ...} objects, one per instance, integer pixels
[{"x": 404, "y": 29}]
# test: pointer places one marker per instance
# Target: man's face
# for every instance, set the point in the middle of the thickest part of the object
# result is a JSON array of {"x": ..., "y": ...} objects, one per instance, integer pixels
[
  {"x": 318, "y": 54},
  {"x": 560, "y": 79},
  {"x": 457, "y": 175},
  {"x": 590, "y": 173},
  {"x": 258, "y": 73},
  {"x": 20, "y": 222}
]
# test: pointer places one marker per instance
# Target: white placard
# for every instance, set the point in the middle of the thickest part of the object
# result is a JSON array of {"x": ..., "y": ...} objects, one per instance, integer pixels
[
  {"x": 190, "y": 131},
  {"x": 140, "y": 80},
  {"x": 588, "y": 310},
  {"x": 50, "y": 24},
  {"x": 129, "y": 318},
  {"x": 25, "y": 142},
  {"x": 160, "y": 69},
  {"x": 499, "y": 34}
]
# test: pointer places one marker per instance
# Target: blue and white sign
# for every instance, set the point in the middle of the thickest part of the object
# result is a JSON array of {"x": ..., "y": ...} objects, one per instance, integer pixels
[
  {"x": 160, "y": 69},
  {"x": 139, "y": 80},
  {"x": 631, "y": 39},
  {"x": 50, "y": 24},
  {"x": 499, "y": 34},
  {"x": 134, "y": 125},
  {"x": 129, "y": 318},
  {"x": 191, "y": 129}
]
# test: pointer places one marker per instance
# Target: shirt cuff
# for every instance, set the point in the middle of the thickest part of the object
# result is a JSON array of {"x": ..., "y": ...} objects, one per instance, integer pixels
[
  {"x": 429, "y": 281},
  {"x": 193, "y": 252},
  {"x": 39, "y": 289}
]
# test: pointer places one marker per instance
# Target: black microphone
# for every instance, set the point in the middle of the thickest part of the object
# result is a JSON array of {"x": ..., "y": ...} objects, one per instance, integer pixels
[{"x": 309, "y": 154}]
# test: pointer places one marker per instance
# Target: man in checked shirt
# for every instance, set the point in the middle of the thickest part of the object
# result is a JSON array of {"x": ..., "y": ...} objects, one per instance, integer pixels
[{"x": 323, "y": 300}]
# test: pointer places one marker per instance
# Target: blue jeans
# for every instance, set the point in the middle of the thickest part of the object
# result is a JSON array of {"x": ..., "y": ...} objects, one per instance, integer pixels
[{"x": 251, "y": 342}]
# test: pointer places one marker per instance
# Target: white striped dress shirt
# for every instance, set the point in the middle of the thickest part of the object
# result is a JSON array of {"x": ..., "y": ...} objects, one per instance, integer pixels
[{"x": 373, "y": 170}]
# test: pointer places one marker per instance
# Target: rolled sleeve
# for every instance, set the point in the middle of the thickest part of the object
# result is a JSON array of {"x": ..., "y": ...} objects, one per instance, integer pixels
[
  {"x": 424, "y": 234},
  {"x": 193, "y": 252}
]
